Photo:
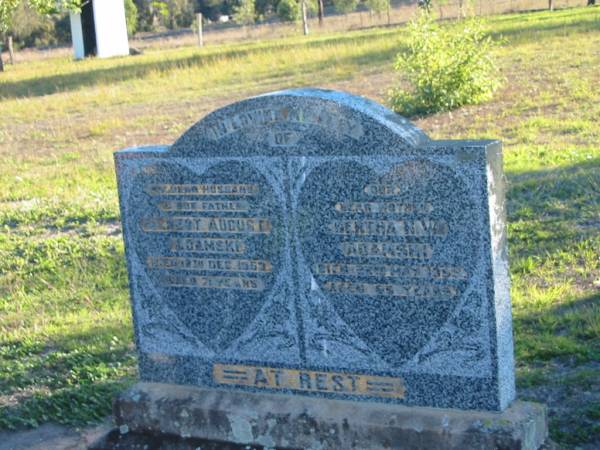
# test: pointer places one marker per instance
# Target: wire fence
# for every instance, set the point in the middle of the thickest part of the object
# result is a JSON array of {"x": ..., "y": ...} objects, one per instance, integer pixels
[
  {"x": 229, "y": 33},
  {"x": 219, "y": 34}
]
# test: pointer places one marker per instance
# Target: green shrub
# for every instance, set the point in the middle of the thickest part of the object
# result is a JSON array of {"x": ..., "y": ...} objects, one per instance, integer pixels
[
  {"x": 291, "y": 10},
  {"x": 345, "y": 6},
  {"x": 446, "y": 66},
  {"x": 377, "y": 6},
  {"x": 288, "y": 10},
  {"x": 245, "y": 12},
  {"x": 131, "y": 13}
]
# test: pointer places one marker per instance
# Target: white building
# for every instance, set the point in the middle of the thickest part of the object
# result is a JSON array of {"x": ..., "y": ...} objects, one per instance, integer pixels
[{"x": 100, "y": 29}]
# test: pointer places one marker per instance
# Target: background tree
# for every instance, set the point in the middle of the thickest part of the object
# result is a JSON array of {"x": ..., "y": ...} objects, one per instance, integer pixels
[
  {"x": 9, "y": 7},
  {"x": 288, "y": 10},
  {"x": 345, "y": 6},
  {"x": 131, "y": 13},
  {"x": 377, "y": 6},
  {"x": 321, "y": 11},
  {"x": 245, "y": 12},
  {"x": 291, "y": 10}
]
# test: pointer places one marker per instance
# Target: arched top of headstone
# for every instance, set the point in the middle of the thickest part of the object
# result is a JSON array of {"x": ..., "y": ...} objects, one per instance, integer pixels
[{"x": 300, "y": 122}]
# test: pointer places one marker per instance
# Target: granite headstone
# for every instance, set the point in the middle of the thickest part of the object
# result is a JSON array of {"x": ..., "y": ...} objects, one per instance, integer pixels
[{"x": 312, "y": 242}]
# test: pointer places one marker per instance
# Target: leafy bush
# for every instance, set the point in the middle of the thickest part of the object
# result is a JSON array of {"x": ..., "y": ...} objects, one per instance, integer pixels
[
  {"x": 291, "y": 10},
  {"x": 345, "y": 6},
  {"x": 244, "y": 13},
  {"x": 377, "y": 6},
  {"x": 447, "y": 67},
  {"x": 288, "y": 10},
  {"x": 131, "y": 13}
]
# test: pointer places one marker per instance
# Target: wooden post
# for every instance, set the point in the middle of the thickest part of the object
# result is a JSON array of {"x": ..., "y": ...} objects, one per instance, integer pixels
[
  {"x": 200, "y": 37},
  {"x": 304, "y": 21},
  {"x": 388, "y": 11},
  {"x": 11, "y": 52}
]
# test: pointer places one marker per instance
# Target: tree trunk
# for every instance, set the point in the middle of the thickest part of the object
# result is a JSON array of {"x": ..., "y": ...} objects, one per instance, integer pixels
[
  {"x": 11, "y": 52},
  {"x": 304, "y": 21},
  {"x": 388, "y": 12},
  {"x": 321, "y": 15},
  {"x": 551, "y": 5},
  {"x": 1, "y": 62},
  {"x": 591, "y": 2}
]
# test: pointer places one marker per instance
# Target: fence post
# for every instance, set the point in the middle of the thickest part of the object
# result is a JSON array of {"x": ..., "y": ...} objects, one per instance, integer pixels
[
  {"x": 304, "y": 19},
  {"x": 200, "y": 37},
  {"x": 11, "y": 52}
]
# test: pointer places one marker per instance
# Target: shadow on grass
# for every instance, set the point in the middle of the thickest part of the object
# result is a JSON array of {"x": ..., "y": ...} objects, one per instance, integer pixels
[
  {"x": 553, "y": 209},
  {"x": 74, "y": 405},
  {"x": 66, "y": 82},
  {"x": 70, "y": 381},
  {"x": 567, "y": 331},
  {"x": 519, "y": 32}
]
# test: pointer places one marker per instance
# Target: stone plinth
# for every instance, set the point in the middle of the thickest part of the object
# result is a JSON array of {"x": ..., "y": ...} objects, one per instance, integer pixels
[{"x": 186, "y": 417}]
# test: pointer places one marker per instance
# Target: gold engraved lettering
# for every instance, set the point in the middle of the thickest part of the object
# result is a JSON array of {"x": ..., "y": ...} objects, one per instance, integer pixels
[
  {"x": 416, "y": 228},
  {"x": 245, "y": 225},
  {"x": 202, "y": 189},
  {"x": 384, "y": 190},
  {"x": 382, "y": 208},
  {"x": 184, "y": 205},
  {"x": 309, "y": 380},
  {"x": 331, "y": 120},
  {"x": 207, "y": 245},
  {"x": 391, "y": 271},
  {"x": 386, "y": 250},
  {"x": 205, "y": 282},
  {"x": 429, "y": 291},
  {"x": 209, "y": 264}
]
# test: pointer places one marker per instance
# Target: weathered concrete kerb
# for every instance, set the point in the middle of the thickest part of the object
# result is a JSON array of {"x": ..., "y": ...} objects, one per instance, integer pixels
[{"x": 285, "y": 421}]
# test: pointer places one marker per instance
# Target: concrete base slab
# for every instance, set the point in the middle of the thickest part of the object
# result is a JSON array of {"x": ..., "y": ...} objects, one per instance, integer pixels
[{"x": 155, "y": 413}]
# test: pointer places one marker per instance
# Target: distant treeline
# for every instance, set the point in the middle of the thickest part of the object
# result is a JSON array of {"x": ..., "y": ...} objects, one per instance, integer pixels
[{"x": 31, "y": 30}]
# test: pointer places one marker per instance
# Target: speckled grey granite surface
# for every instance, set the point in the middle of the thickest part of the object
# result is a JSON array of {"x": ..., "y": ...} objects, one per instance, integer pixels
[{"x": 313, "y": 242}]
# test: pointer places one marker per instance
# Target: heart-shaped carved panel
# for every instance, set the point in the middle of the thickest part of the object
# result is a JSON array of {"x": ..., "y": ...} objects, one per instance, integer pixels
[
  {"x": 210, "y": 243},
  {"x": 394, "y": 253}
]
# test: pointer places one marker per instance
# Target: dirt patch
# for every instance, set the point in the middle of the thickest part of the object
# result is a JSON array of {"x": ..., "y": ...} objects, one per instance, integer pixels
[{"x": 55, "y": 437}]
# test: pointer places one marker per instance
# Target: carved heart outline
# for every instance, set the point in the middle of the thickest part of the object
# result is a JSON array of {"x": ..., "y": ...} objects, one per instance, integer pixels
[
  {"x": 216, "y": 317},
  {"x": 394, "y": 328}
]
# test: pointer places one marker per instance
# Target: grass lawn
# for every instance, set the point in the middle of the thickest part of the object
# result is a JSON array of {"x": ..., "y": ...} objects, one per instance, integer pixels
[{"x": 65, "y": 328}]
